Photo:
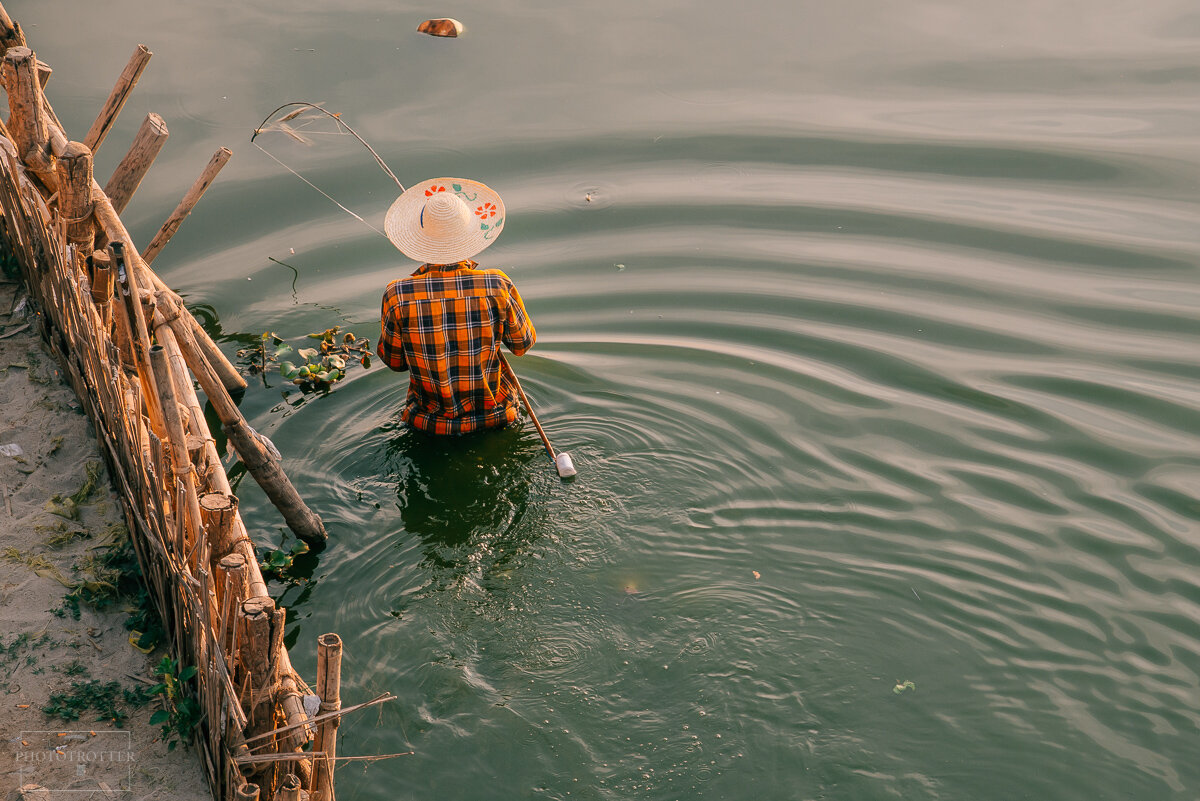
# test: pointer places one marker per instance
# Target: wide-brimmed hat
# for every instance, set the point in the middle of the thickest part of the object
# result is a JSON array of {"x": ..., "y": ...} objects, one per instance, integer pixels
[{"x": 445, "y": 220}]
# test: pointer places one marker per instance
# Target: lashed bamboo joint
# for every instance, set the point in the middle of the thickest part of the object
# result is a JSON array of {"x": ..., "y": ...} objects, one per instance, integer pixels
[{"x": 131, "y": 350}]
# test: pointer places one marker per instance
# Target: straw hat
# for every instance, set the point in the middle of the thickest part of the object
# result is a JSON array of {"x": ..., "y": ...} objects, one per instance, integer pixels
[{"x": 444, "y": 220}]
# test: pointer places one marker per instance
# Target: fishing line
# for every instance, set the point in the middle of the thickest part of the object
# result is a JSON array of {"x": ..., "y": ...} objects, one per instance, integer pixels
[
  {"x": 322, "y": 191},
  {"x": 337, "y": 118}
]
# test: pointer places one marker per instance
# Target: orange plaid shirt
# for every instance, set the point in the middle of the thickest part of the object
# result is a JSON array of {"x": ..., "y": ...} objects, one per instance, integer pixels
[{"x": 444, "y": 324}]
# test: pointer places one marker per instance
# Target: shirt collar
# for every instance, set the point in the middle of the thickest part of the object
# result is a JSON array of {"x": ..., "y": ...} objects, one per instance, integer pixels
[{"x": 466, "y": 264}]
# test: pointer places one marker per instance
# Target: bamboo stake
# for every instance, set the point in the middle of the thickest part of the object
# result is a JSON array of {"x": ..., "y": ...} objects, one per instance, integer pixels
[
  {"x": 28, "y": 120},
  {"x": 116, "y": 100},
  {"x": 140, "y": 336},
  {"x": 189, "y": 514},
  {"x": 168, "y": 229},
  {"x": 123, "y": 329},
  {"x": 102, "y": 284},
  {"x": 75, "y": 194},
  {"x": 133, "y": 168},
  {"x": 10, "y": 32},
  {"x": 290, "y": 699},
  {"x": 195, "y": 447},
  {"x": 329, "y": 681},
  {"x": 289, "y": 788},
  {"x": 247, "y": 792},
  {"x": 260, "y": 462},
  {"x": 258, "y": 659},
  {"x": 198, "y": 435},
  {"x": 218, "y": 510},
  {"x": 232, "y": 588}
]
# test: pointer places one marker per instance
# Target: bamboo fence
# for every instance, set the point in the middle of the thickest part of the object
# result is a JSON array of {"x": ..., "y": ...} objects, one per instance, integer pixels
[{"x": 131, "y": 349}]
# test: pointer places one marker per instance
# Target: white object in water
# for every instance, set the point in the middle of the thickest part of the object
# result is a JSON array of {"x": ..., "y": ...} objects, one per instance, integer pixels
[{"x": 566, "y": 468}]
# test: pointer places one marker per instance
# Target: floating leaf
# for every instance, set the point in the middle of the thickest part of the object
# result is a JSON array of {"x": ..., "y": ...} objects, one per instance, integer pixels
[
  {"x": 366, "y": 360},
  {"x": 307, "y": 353},
  {"x": 288, "y": 370},
  {"x": 902, "y": 686}
]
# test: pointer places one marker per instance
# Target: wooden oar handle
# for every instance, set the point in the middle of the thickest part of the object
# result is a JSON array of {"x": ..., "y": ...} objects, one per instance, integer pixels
[{"x": 533, "y": 416}]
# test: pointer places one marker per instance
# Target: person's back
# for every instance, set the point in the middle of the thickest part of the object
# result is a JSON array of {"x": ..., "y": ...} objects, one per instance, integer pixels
[{"x": 446, "y": 322}]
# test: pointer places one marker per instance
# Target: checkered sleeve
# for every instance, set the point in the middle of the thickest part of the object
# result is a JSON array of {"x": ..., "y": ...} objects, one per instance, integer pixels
[
  {"x": 391, "y": 345},
  {"x": 519, "y": 333}
]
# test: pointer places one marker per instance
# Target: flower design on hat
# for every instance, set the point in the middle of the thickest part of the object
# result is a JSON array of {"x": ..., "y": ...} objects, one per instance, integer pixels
[
  {"x": 486, "y": 211},
  {"x": 433, "y": 190}
]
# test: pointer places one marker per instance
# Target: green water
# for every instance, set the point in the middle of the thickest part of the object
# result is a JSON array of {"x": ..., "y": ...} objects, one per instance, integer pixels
[{"x": 871, "y": 327}]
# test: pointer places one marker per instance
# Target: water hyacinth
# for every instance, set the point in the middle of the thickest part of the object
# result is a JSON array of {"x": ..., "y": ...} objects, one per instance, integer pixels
[{"x": 326, "y": 364}]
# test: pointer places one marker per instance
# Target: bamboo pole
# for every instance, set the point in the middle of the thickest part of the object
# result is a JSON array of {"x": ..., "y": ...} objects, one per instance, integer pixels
[
  {"x": 289, "y": 788},
  {"x": 218, "y": 510},
  {"x": 258, "y": 660},
  {"x": 290, "y": 698},
  {"x": 123, "y": 329},
  {"x": 261, "y": 463},
  {"x": 247, "y": 792},
  {"x": 168, "y": 229},
  {"x": 10, "y": 32},
  {"x": 181, "y": 463},
  {"x": 116, "y": 99},
  {"x": 102, "y": 284},
  {"x": 128, "y": 175},
  {"x": 329, "y": 681},
  {"x": 75, "y": 195},
  {"x": 28, "y": 120},
  {"x": 131, "y": 300},
  {"x": 232, "y": 589}
]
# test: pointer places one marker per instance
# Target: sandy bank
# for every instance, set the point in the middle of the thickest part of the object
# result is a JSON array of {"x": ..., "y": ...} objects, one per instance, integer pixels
[{"x": 47, "y": 449}]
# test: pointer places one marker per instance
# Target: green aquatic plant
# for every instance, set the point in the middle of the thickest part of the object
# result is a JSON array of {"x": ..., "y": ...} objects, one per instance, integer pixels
[
  {"x": 326, "y": 364},
  {"x": 902, "y": 686},
  {"x": 275, "y": 561},
  {"x": 264, "y": 353}
]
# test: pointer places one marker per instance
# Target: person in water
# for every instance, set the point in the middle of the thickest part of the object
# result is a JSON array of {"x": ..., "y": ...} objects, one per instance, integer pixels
[{"x": 445, "y": 323}]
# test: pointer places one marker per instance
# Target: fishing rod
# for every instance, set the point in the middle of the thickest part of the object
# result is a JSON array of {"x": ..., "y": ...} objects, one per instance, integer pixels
[
  {"x": 305, "y": 106},
  {"x": 562, "y": 460}
]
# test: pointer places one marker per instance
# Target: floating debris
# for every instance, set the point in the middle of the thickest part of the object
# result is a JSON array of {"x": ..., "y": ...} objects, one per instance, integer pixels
[
  {"x": 451, "y": 28},
  {"x": 322, "y": 368}
]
